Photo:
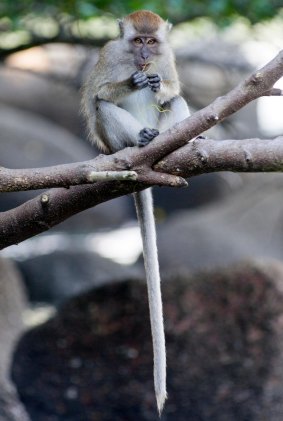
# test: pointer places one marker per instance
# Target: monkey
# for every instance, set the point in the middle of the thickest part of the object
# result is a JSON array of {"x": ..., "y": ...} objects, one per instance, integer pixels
[{"x": 132, "y": 95}]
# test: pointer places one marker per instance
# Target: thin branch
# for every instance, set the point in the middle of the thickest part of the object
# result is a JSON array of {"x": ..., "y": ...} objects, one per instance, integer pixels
[
  {"x": 104, "y": 167},
  {"x": 274, "y": 92},
  {"x": 36, "y": 41},
  {"x": 40, "y": 178},
  {"x": 65, "y": 175}
]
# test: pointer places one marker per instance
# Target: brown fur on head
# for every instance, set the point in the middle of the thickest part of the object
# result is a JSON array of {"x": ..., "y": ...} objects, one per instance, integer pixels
[{"x": 143, "y": 22}]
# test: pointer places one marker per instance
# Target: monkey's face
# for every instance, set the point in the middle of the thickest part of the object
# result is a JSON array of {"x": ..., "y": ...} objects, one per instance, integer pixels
[{"x": 144, "y": 48}]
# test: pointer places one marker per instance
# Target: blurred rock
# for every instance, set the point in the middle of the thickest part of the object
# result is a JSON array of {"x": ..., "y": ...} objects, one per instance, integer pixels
[
  {"x": 56, "y": 276},
  {"x": 57, "y": 61},
  {"x": 40, "y": 141},
  {"x": 28, "y": 141},
  {"x": 10, "y": 407},
  {"x": 210, "y": 68},
  {"x": 37, "y": 93},
  {"x": 245, "y": 225},
  {"x": 93, "y": 361},
  {"x": 202, "y": 190},
  {"x": 12, "y": 305}
]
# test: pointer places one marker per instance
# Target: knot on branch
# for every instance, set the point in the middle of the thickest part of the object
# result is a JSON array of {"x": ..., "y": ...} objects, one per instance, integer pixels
[
  {"x": 256, "y": 78},
  {"x": 212, "y": 117},
  {"x": 44, "y": 199},
  {"x": 122, "y": 163},
  {"x": 200, "y": 153},
  {"x": 248, "y": 158}
]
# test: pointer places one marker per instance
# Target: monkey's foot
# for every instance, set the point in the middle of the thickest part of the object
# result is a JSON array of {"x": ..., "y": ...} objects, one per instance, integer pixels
[{"x": 146, "y": 135}]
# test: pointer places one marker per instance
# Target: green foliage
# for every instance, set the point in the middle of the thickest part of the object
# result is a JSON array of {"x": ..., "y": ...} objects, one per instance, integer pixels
[
  {"x": 24, "y": 23},
  {"x": 221, "y": 11}
]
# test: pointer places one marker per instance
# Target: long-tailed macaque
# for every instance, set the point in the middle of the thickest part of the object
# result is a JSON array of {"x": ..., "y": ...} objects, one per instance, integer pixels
[{"x": 130, "y": 97}]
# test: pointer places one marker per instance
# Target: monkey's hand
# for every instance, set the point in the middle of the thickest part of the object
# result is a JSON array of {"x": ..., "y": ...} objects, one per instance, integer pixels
[
  {"x": 154, "y": 82},
  {"x": 139, "y": 80}
]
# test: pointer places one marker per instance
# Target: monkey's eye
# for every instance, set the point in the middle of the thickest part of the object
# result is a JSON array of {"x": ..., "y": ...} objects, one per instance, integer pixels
[
  {"x": 151, "y": 41},
  {"x": 138, "y": 41}
]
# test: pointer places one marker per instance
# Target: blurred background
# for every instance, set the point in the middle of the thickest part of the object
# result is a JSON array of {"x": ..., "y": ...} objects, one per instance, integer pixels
[{"x": 74, "y": 329}]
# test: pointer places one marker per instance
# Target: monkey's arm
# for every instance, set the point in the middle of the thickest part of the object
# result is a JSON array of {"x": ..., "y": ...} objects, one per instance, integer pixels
[
  {"x": 115, "y": 91},
  {"x": 175, "y": 110},
  {"x": 168, "y": 90},
  {"x": 164, "y": 89}
]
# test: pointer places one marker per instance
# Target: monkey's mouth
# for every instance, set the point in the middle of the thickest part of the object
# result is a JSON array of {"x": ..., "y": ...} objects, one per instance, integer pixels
[{"x": 144, "y": 67}]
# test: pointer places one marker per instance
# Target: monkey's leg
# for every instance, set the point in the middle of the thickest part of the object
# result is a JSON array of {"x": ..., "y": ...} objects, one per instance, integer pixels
[
  {"x": 118, "y": 128},
  {"x": 174, "y": 111}
]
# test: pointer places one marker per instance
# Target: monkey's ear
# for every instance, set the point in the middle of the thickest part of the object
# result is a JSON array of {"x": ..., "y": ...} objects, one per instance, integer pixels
[
  {"x": 121, "y": 27},
  {"x": 168, "y": 26}
]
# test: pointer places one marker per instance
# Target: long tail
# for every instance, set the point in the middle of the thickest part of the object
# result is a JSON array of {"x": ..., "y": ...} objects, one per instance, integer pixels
[{"x": 144, "y": 208}]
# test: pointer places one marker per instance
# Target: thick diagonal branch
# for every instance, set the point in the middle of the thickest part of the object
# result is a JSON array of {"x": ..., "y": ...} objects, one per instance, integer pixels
[{"x": 255, "y": 86}]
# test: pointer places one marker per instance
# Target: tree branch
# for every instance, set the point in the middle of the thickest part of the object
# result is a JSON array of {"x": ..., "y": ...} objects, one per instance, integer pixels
[
  {"x": 206, "y": 155},
  {"x": 196, "y": 157},
  {"x": 54, "y": 206},
  {"x": 274, "y": 92},
  {"x": 66, "y": 175}
]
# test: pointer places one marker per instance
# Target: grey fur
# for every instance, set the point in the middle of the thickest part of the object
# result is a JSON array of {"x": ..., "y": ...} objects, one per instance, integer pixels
[{"x": 116, "y": 112}]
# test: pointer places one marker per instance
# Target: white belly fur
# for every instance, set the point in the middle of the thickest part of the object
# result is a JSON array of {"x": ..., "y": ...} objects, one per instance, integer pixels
[{"x": 143, "y": 106}]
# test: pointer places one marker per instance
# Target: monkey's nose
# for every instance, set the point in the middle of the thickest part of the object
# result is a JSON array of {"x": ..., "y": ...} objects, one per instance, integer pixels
[{"x": 144, "y": 54}]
